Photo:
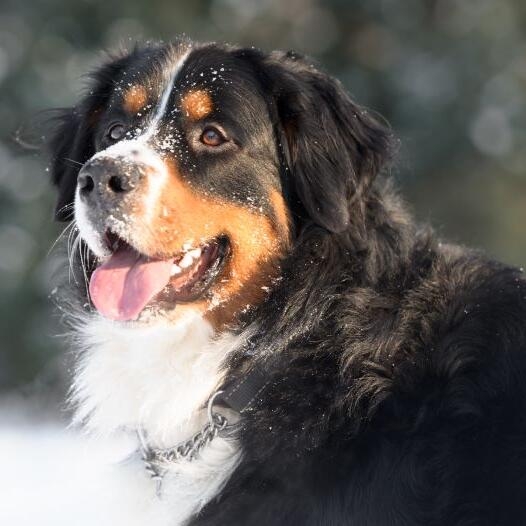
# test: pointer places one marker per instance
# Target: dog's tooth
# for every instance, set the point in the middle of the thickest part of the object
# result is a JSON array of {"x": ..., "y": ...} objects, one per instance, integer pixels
[
  {"x": 195, "y": 253},
  {"x": 186, "y": 261},
  {"x": 176, "y": 269}
]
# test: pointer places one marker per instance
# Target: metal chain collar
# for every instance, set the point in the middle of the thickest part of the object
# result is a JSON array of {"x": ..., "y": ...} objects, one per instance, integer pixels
[{"x": 156, "y": 460}]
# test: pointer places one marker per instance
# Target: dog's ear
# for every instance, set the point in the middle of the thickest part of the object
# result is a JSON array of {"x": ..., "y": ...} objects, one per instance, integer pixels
[
  {"x": 71, "y": 142},
  {"x": 334, "y": 148}
]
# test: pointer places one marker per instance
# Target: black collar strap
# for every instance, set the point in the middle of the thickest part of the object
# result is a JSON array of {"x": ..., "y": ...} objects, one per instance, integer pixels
[{"x": 241, "y": 394}]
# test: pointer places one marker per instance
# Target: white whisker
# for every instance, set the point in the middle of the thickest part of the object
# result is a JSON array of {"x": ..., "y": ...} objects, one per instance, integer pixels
[
  {"x": 60, "y": 236},
  {"x": 73, "y": 161},
  {"x": 83, "y": 254},
  {"x": 69, "y": 206},
  {"x": 72, "y": 247}
]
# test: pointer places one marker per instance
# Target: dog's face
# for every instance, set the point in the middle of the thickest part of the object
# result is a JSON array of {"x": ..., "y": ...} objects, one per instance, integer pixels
[{"x": 196, "y": 166}]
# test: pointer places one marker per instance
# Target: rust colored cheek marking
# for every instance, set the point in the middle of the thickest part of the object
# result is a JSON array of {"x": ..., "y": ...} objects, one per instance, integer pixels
[
  {"x": 135, "y": 99},
  {"x": 197, "y": 104},
  {"x": 184, "y": 214}
]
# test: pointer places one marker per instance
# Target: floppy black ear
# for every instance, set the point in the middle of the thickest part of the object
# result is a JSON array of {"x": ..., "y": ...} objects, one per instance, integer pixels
[
  {"x": 334, "y": 147},
  {"x": 72, "y": 141}
]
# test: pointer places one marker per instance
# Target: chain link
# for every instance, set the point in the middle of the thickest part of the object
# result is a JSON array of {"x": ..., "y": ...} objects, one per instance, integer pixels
[{"x": 156, "y": 460}]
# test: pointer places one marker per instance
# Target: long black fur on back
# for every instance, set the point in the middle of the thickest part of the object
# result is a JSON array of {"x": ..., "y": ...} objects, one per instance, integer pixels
[
  {"x": 397, "y": 393},
  {"x": 397, "y": 362}
]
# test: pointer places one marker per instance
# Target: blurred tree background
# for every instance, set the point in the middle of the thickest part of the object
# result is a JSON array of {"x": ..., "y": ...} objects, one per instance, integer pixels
[{"x": 449, "y": 75}]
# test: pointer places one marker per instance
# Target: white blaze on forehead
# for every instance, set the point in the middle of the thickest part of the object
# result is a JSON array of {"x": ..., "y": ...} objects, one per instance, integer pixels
[
  {"x": 137, "y": 146},
  {"x": 163, "y": 104},
  {"x": 159, "y": 176}
]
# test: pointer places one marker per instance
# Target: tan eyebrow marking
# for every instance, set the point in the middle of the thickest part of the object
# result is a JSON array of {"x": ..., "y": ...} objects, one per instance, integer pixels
[
  {"x": 197, "y": 104},
  {"x": 135, "y": 98}
]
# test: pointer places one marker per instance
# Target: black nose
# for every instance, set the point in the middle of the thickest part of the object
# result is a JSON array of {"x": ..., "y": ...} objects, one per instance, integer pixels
[{"x": 106, "y": 178}]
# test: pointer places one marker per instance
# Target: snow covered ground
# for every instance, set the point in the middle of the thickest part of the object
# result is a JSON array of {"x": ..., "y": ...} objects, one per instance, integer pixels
[{"x": 52, "y": 475}]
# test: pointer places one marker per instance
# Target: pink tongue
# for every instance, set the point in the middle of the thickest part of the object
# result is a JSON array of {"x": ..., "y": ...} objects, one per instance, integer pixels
[{"x": 126, "y": 283}]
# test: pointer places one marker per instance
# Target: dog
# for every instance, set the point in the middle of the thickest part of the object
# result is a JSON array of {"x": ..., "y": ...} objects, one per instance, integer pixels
[{"x": 286, "y": 343}]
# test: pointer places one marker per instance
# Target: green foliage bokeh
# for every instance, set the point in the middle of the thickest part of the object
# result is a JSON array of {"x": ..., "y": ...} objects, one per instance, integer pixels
[{"x": 449, "y": 75}]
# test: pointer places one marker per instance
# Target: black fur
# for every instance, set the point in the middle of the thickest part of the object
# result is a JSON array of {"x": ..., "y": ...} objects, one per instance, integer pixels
[
  {"x": 332, "y": 147},
  {"x": 393, "y": 402},
  {"x": 397, "y": 363}
]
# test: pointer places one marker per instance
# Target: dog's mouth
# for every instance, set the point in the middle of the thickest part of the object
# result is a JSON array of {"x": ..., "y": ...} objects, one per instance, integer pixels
[{"x": 128, "y": 281}]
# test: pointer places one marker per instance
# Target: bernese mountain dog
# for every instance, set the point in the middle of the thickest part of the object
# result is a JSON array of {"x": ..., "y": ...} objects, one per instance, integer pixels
[{"x": 262, "y": 313}]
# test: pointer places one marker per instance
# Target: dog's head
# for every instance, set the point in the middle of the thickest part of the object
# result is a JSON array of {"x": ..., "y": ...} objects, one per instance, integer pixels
[{"x": 190, "y": 169}]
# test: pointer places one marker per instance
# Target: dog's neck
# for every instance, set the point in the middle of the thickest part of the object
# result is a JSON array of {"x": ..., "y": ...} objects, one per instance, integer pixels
[{"x": 156, "y": 378}]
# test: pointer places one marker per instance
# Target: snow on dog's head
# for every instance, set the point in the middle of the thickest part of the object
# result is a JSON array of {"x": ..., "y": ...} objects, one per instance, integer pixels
[
  {"x": 178, "y": 196},
  {"x": 196, "y": 166}
]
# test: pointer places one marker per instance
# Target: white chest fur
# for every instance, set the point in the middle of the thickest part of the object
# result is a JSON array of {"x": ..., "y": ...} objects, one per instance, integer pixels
[{"x": 156, "y": 378}]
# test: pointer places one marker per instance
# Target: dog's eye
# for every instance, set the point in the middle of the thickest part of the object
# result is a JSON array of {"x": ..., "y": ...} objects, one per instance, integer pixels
[
  {"x": 212, "y": 137},
  {"x": 116, "y": 132}
]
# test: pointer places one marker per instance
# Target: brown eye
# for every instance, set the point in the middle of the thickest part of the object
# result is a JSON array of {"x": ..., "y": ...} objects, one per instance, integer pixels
[
  {"x": 116, "y": 132},
  {"x": 212, "y": 137}
]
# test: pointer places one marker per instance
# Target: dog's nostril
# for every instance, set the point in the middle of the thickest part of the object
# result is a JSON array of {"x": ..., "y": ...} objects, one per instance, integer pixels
[
  {"x": 115, "y": 183},
  {"x": 85, "y": 183}
]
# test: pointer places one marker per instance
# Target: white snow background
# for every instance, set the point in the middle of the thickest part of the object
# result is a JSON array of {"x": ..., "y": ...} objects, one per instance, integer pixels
[{"x": 52, "y": 475}]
